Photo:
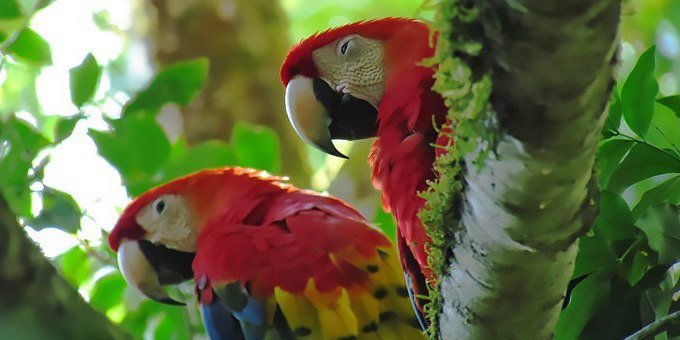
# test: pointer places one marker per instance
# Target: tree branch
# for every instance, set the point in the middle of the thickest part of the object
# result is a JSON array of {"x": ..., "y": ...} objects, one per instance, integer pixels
[
  {"x": 521, "y": 214},
  {"x": 656, "y": 327},
  {"x": 37, "y": 303}
]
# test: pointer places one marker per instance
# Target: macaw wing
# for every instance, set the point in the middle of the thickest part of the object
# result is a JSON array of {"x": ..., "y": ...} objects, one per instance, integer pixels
[{"x": 325, "y": 274}]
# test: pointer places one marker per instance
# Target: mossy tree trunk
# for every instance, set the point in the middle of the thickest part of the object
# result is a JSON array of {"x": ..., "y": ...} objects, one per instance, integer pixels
[
  {"x": 520, "y": 214},
  {"x": 35, "y": 301},
  {"x": 246, "y": 42}
]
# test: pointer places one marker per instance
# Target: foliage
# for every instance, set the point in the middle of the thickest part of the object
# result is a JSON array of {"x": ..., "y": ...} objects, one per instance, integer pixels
[{"x": 627, "y": 270}]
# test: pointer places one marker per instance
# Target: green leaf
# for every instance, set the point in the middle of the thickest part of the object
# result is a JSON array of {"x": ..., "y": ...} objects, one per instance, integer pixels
[
  {"x": 638, "y": 93},
  {"x": 30, "y": 47},
  {"x": 9, "y": 9},
  {"x": 84, "y": 80},
  {"x": 74, "y": 266},
  {"x": 615, "y": 221},
  {"x": 642, "y": 162},
  {"x": 19, "y": 145},
  {"x": 64, "y": 127},
  {"x": 593, "y": 254},
  {"x": 167, "y": 327},
  {"x": 587, "y": 298},
  {"x": 107, "y": 291},
  {"x": 386, "y": 223},
  {"x": 256, "y": 147},
  {"x": 59, "y": 210},
  {"x": 137, "y": 147},
  {"x": 178, "y": 83},
  {"x": 672, "y": 102},
  {"x": 210, "y": 154},
  {"x": 668, "y": 191},
  {"x": 609, "y": 156},
  {"x": 660, "y": 298},
  {"x": 641, "y": 263},
  {"x": 661, "y": 224}
]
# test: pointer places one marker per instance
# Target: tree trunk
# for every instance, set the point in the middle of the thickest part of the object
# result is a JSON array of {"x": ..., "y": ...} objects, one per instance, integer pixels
[
  {"x": 245, "y": 41},
  {"x": 521, "y": 213},
  {"x": 37, "y": 303}
]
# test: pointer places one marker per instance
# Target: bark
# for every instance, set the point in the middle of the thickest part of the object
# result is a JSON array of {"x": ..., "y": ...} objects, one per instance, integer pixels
[
  {"x": 245, "y": 41},
  {"x": 37, "y": 303},
  {"x": 523, "y": 211}
]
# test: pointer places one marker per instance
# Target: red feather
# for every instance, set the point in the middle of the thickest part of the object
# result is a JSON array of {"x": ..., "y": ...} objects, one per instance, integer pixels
[{"x": 292, "y": 238}]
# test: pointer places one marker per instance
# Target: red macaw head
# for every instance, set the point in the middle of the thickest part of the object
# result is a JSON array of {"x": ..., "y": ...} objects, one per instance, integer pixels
[
  {"x": 155, "y": 237},
  {"x": 338, "y": 81}
]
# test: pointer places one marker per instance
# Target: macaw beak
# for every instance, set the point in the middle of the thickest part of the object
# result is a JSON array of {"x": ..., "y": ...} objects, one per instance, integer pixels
[
  {"x": 146, "y": 267},
  {"x": 320, "y": 114}
]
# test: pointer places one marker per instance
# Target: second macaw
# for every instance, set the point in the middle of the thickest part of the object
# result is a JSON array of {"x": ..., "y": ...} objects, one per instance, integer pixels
[
  {"x": 269, "y": 261},
  {"x": 365, "y": 80}
]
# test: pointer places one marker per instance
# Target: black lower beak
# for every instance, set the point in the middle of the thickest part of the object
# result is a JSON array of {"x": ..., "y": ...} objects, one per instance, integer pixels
[
  {"x": 320, "y": 114},
  {"x": 351, "y": 118},
  {"x": 171, "y": 266}
]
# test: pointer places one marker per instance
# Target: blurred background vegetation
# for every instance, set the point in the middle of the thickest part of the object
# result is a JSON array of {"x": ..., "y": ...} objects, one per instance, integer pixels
[{"x": 103, "y": 99}]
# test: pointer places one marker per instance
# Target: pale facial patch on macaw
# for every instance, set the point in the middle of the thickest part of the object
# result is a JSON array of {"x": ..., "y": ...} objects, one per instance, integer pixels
[
  {"x": 353, "y": 65},
  {"x": 168, "y": 221}
]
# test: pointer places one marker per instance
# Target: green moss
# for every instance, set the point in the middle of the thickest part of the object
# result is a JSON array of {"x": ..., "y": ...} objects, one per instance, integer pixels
[{"x": 466, "y": 91}]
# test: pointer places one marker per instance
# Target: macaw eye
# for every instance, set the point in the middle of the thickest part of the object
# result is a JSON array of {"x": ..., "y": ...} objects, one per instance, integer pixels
[
  {"x": 343, "y": 48},
  {"x": 159, "y": 206}
]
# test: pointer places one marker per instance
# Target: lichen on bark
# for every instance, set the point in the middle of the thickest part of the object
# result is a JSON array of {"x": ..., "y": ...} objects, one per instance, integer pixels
[{"x": 471, "y": 125}]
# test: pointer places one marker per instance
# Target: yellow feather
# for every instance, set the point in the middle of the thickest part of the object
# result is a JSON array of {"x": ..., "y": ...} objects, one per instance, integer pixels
[
  {"x": 336, "y": 318},
  {"x": 379, "y": 310},
  {"x": 299, "y": 312}
]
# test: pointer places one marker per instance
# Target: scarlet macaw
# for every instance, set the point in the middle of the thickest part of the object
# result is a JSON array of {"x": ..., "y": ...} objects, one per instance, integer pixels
[
  {"x": 269, "y": 261},
  {"x": 366, "y": 80}
]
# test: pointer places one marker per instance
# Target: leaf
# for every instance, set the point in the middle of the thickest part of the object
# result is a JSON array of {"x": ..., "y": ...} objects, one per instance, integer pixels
[
  {"x": 59, "y": 210},
  {"x": 671, "y": 102},
  {"x": 19, "y": 145},
  {"x": 609, "y": 156},
  {"x": 210, "y": 154},
  {"x": 638, "y": 93},
  {"x": 587, "y": 298},
  {"x": 64, "y": 127},
  {"x": 386, "y": 223},
  {"x": 179, "y": 83},
  {"x": 668, "y": 191},
  {"x": 256, "y": 147},
  {"x": 74, "y": 266},
  {"x": 84, "y": 80},
  {"x": 641, "y": 262},
  {"x": 642, "y": 162},
  {"x": 107, "y": 291},
  {"x": 593, "y": 254},
  {"x": 618, "y": 315},
  {"x": 167, "y": 327},
  {"x": 9, "y": 9},
  {"x": 661, "y": 224},
  {"x": 614, "y": 221},
  {"x": 137, "y": 147},
  {"x": 30, "y": 47}
]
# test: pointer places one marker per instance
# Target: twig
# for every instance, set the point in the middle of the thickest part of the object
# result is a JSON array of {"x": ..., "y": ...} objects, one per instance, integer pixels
[
  {"x": 643, "y": 141},
  {"x": 656, "y": 327}
]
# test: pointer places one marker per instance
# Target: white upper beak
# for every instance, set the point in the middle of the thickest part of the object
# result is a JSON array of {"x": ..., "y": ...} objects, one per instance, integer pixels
[{"x": 308, "y": 116}]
